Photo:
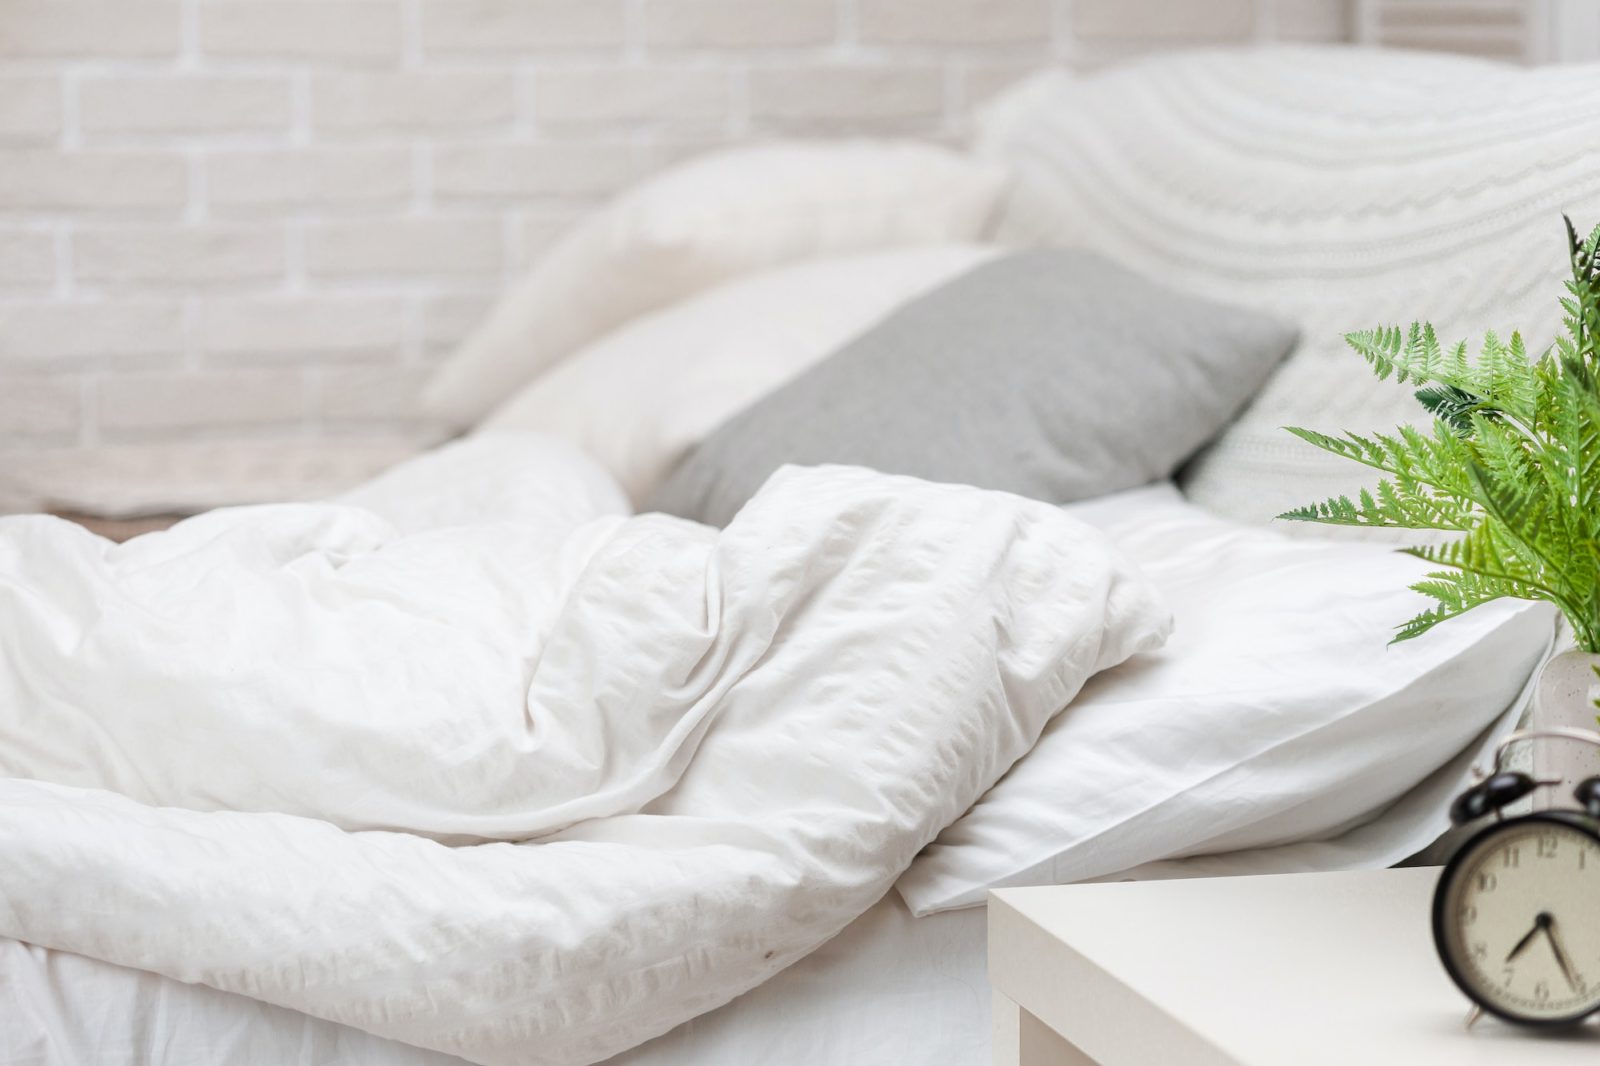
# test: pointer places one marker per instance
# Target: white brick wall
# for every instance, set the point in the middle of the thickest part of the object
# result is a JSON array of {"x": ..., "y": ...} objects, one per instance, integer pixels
[
  {"x": 1519, "y": 31},
  {"x": 1495, "y": 29},
  {"x": 267, "y": 218}
]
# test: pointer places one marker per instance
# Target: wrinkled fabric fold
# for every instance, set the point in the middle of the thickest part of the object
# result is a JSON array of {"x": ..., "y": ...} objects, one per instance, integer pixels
[{"x": 533, "y": 787}]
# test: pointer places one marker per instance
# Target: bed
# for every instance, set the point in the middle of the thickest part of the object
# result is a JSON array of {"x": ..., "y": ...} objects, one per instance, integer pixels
[
  {"x": 890, "y": 984},
  {"x": 891, "y": 652}
]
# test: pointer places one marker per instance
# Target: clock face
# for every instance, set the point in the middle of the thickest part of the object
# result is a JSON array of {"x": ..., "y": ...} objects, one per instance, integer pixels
[{"x": 1517, "y": 919}]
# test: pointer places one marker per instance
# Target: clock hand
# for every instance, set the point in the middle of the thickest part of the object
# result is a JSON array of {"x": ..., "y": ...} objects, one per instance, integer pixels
[
  {"x": 1561, "y": 956},
  {"x": 1525, "y": 941}
]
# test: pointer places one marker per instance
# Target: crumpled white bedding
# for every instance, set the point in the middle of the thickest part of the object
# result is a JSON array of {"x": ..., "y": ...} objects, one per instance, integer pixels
[
  {"x": 297, "y": 752},
  {"x": 890, "y": 988}
]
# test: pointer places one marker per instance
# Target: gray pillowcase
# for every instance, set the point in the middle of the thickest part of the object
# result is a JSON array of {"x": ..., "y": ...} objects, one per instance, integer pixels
[{"x": 1054, "y": 374}]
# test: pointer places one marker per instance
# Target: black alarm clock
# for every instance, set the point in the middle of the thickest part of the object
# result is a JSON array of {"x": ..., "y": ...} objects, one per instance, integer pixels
[{"x": 1516, "y": 916}]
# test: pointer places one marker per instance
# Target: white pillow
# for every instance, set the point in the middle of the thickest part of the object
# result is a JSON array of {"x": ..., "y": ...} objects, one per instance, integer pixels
[
  {"x": 704, "y": 222},
  {"x": 1275, "y": 713},
  {"x": 642, "y": 397},
  {"x": 493, "y": 477}
]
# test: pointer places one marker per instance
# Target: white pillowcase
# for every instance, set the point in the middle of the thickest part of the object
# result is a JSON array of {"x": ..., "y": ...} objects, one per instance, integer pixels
[
  {"x": 1275, "y": 713},
  {"x": 701, "y": 223},
  {"x": 493, "y": 477},
  {"x": 640, "y": 398}
]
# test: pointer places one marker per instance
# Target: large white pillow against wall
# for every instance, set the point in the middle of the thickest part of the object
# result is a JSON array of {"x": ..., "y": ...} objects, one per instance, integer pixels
[
  {"x": 701, "y": 223},
  {"x": 1276, "y": 713},
  {"x": 1337, "y": 189},
  {"x": 640, "y": 398}
]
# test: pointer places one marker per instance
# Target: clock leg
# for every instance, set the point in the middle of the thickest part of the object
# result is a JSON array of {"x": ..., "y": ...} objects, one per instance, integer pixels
[{"x": 1473, "y": 1015}]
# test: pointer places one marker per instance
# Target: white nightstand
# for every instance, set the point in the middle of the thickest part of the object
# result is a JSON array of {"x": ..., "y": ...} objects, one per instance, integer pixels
[{"x": 1291, "y": 970}]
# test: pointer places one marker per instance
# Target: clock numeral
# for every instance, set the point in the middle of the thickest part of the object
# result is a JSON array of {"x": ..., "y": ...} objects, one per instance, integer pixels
[
  {"x": 1506, "y": 976},
  {"x": 1487, "y": 882},
  {"x": 1583, "y": 858},
  {"x": 1469, "y": 914},
  {"x": 1480, "y": 951},
  {"x": 1541, "y": 992},
  {"x": 1511, "y": 858},
  {"x": 1547, "y": 846}
]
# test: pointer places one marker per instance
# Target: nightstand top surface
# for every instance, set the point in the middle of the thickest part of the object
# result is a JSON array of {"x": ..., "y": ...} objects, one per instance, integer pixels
[{"x": 1285, "y": 970}]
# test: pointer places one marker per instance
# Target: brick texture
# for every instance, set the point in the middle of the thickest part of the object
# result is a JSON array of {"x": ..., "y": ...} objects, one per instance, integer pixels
[
  {"x": 526, "y": 172},
  {"x": 955, "y": 22},
  {"x": 312, "y": 179},
  {"x": 435, "y": 246},
  {"x": 27, "y": 259},
  {"x": 848, "y": 98},
  {"x": 172, "y": 256},
  {"x": 499, "y": 26},
  {"x": 1311, "y": 20},
  {"x": 369, "y": 394},
  {"x": 45, "y": 337},
  {"x": 1495, "y": 29},
  {"x": 608, "y": 95},
  {"x": 41, "y": 410},
  {"x": 30, "y": 109},
  {"x": 41, "y": 180},
  {"x": 143, "y": 405},
  {"x": 740, "y": 23},
  {"x": 354, "y": 30},
  {"x": 443, "y": 102},
  {"x": 89, "y": 28},
  {"x": 164, "y": 104},
  {"x": 300, "y": 329},
  {"x": 1163, "y": 20},
  {"x": 270, "y": 218}
]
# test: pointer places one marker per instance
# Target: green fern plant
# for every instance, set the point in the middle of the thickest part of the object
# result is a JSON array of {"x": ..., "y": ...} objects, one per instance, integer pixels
[{"x": 1511, "y": 464}]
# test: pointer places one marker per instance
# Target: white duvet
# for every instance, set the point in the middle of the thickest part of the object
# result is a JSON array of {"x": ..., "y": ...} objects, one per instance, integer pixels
[{"x": 475, "y": 761}]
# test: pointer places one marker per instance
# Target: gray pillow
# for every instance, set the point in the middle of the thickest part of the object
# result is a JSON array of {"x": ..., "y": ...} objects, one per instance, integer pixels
[{"x": 1054, "y": 374}]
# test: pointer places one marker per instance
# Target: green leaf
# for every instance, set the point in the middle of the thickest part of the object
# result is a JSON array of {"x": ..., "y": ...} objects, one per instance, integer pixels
[
  {"x": 1450, "y": 404},
  {"x": 1511, "y": 462}
]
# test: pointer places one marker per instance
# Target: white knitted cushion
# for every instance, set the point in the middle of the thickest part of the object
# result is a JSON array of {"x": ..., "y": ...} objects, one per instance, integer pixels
[{"x": 1338, "y": 188}]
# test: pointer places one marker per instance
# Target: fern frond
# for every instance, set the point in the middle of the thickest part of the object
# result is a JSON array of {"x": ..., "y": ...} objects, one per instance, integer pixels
[
  {"x": 1512, "y": 461},
  {"x": 1451, "y": 405},
  {"x": 1455, "y": 593}
]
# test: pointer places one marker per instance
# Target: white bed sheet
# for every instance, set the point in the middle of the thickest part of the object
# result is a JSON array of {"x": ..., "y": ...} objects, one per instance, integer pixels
[{"x": 890, "y": 988}]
